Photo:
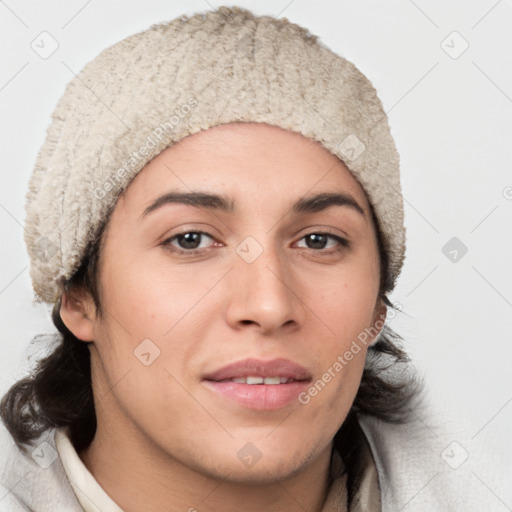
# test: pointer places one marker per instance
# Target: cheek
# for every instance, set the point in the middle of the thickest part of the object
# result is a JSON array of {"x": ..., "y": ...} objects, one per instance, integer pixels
[
  {"x": 152, "y": 328},
  {"x": 146, "y": 299},
  {"x": 346, "y": 313},
  {"x": 346, "y": 307},
  {"x": 139, "y": 348}
]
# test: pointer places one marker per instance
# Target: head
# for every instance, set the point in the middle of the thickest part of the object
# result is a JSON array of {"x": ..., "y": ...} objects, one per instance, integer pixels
[
  {"x": 155, "y": 296},
  {"x": 307, "y": 287}
]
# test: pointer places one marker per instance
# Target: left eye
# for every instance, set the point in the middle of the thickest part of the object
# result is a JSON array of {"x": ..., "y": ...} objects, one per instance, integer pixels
[
  {"x": 190, "y": 241},
  {"x": 320, "y": 239}
]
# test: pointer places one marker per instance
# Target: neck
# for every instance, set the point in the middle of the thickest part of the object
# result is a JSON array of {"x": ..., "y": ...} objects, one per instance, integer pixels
[{"x": 144, "y": 478}]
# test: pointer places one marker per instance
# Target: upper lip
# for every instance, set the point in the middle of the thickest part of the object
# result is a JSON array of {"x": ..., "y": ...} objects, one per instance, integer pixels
[{"x": 256, "y": 367}]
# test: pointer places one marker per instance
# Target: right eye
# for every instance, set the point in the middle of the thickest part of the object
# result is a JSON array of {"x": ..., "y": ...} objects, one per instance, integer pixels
[{"x": 188, "y": 241}]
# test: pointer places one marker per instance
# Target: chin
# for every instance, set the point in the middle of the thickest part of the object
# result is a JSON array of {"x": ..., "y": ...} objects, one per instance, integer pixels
[
  {"x": 244, "y": 463},
  {"x": 264, "y": 472}
]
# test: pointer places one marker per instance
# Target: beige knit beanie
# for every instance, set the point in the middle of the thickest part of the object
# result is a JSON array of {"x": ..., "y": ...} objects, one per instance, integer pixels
[{"x": 154, "y": 88}]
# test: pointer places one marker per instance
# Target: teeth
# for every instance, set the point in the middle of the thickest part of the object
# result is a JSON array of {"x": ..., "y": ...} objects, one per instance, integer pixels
[
  {"x": 261, "y": 380},
  {"x": 255, "y": 380}
]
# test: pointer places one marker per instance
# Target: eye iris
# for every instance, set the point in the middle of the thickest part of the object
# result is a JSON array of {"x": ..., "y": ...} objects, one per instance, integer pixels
[
  {"x": 318, "y": 241},
  {"x": 192, "y": 240}
]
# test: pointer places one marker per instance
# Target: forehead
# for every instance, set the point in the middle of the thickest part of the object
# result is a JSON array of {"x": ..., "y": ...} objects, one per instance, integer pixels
[{"x": 251, "y": 164}]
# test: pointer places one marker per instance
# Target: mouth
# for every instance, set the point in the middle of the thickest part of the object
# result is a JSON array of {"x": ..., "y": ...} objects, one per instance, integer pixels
[{"x": 259, "y": 385}]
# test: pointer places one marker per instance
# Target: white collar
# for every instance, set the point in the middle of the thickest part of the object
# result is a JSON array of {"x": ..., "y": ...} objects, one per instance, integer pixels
[{"x": 91, "y": 496}]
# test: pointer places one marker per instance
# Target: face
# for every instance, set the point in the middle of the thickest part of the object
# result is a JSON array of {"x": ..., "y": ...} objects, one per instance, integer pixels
[{"x": 262, "y": 283}]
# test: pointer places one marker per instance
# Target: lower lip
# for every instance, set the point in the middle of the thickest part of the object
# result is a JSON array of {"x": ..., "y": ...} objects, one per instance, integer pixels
[{"x": 261, "y": 397}]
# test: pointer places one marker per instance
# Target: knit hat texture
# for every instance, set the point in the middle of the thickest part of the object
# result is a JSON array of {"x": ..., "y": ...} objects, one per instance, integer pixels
[{"x": 152, "y": 89}]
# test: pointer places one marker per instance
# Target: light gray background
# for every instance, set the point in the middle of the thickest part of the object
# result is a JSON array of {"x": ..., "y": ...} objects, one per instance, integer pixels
[{"x": 452, "y": 122}]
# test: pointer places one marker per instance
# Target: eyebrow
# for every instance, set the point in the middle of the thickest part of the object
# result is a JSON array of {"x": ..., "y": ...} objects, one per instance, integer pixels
[{"x": 310, "y": 204}]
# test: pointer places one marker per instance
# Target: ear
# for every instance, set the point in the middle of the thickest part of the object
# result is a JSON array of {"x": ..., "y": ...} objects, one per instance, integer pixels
[
  {"x": 78, "y": 313},
  {"x": 379, "y": 318}
]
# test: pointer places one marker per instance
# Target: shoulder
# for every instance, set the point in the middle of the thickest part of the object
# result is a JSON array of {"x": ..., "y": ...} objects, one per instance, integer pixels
[
  {"x": 35, "y": 480},
  {"x": 9, "y": 503},
  {"x": 421, "y": 465}
]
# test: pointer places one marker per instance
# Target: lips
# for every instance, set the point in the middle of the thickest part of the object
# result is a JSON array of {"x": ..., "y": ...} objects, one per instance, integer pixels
[
  {"x": 259, "y": 385},
  {"x": 282, "y": 368}
]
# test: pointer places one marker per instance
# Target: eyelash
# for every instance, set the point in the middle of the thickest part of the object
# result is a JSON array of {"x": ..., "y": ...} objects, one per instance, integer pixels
[{"x": 343, "y": 242}]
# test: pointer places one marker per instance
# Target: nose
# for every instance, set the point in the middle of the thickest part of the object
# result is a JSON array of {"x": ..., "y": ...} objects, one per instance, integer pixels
[{"x": 263, "y": 293}]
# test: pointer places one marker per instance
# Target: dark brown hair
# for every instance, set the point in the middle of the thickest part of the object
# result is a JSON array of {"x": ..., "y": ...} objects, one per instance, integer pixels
[{"x": 58, "y": 391}]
